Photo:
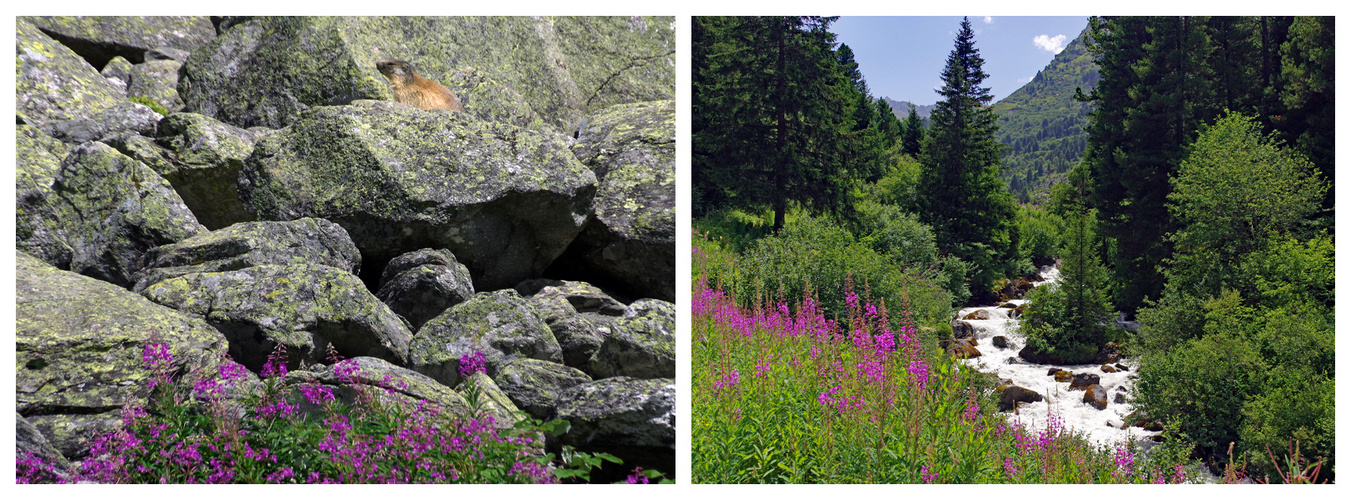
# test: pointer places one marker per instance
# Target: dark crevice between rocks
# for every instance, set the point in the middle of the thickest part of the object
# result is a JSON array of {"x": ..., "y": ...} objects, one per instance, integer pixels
[
  {"x": 61, "y": 410},
  {"x": 567, "y": 269},
  {"x": 94, "y": 53}
]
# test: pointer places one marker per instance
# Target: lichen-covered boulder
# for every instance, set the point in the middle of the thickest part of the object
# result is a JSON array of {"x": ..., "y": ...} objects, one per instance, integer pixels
[
  {"x": 118, "y": 72},
  {"x": 506, "y": 201},
  {"x": 556, "y": 299},
  {"x": 28, "y": 438},
  {"x": 630, "y": 239},
  {"x": 102, "y": 212},
  {"x": 480, "y": 389},
  {"x": 1096, "y": 396},
  {"x": 633, "y": 419},
  {"x": 501, "y": 325},
  {"x": 100, "y": 38},
  {"x": 38, "y": 157},
  {"x": 386, "y": 382},
  {"x": 157, "y": 81},
  {"x": 247, "y": 244},
  {"x": 167, "y": 54},
  {"x": 201, "y": 158},
  {"x": 68, "y": 99},
  {"x": 267, "y": 70},
  {"x": 580, "y": 315},
  {"x": 535, "y": 385},
  {"x": 643, "y": 345},
  {"x": 79, "y": 346},
  {"x": 421, "y": 285},
  {"x": 1082, "y": 381},
  {"x": 305, "y": 307}
]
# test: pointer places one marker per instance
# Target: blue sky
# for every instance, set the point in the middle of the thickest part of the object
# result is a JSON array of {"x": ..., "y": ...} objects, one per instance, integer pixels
[{"x": 903, "y": 57}]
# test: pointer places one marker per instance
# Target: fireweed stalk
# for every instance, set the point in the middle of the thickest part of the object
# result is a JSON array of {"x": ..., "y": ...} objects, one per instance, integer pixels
[
  {"x": 201, "y": 436},
  {"x": 783, "y": 394}
]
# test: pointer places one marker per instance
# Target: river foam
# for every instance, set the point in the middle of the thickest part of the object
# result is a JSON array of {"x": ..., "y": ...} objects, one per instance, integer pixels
[{"x": 1100, "y": 426}]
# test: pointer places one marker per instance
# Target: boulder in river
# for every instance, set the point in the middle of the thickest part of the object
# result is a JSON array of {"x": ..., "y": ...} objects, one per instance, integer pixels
[
  {"x": 1011, "y": 396},
  {"x": 1096, "y": 396},
  {"x": 1084, "y": 380}
]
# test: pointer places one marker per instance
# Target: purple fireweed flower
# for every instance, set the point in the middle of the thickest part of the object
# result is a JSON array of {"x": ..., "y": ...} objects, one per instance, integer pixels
[
  {"x": 972, "y": 412},
  {"x": 1179, "y": 474},
  {"x": 472, "y": 363},
  {"x": 346, "y": 370},
  {"x": 1125, "y": 460},
  {"x": 919, "y": 374},
  {"x": 926, "y": 476},
  {"x": 872, "y": 369},
  {"x": 637, "y": 477},
  {"x": 317, "y": 394},
  {"x": 207, "y": 389},
  {"x": 158, "y": 361},
  {"x": 156, "y": 354},
  {"x": 762, "y": 366},
  {"x": 232, "y": 372},
  {"x": 727, "y": 383},
  {"x": 276, "y": 363},
  {"x": 1009, "y": 469}
]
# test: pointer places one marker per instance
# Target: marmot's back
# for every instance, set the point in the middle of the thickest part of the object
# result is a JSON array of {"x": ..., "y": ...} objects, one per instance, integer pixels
[{"x": 411, "y": 88}]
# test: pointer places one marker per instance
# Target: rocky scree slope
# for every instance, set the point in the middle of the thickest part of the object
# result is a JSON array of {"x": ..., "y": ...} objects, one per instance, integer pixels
[{"x": 229, "y": 185}]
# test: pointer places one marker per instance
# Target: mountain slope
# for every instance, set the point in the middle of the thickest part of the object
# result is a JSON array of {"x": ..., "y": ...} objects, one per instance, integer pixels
[{"x": 1043, "y": 124}]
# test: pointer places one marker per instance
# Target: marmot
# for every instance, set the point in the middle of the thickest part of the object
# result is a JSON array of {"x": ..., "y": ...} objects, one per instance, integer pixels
[{"x": 410, "y": 88}]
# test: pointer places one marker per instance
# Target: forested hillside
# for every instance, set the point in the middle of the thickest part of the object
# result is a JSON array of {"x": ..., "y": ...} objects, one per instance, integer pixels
[{"x": 1043, "y": 124}]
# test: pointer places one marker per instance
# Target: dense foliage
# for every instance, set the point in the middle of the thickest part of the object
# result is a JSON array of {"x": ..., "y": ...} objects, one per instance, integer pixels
[
  {"x": 1243, "y": 334},
  {"x": 781, "y": 116},
  {"x": 1164, "y": 77}
]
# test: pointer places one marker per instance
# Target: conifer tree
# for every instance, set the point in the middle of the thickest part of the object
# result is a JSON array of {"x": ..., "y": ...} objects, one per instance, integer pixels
[
  {"x": 773, "y": 110},
  {"x": 912, "y": 135},
  {"x": 963, "y": 198}
]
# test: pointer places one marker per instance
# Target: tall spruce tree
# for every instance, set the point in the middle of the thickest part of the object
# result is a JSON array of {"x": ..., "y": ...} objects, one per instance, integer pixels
[
  {"x": 912, "y": 134},
  {"x": 1157, "y": 87},
  {"x": 963, "y": 197},
  {"x": 772, "y": 107}
]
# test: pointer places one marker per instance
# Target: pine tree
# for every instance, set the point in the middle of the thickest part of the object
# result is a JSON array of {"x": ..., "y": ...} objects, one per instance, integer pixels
[
  {"x": 912, "y": 136},
  {"x": 963, "y": 198},
  {"x": 771, "y": 106},
  {"x": 1157, "y": 87}
]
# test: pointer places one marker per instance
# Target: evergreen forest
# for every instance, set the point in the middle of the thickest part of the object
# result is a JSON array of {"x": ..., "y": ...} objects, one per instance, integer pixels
[{"x": 1177, "y": 171}]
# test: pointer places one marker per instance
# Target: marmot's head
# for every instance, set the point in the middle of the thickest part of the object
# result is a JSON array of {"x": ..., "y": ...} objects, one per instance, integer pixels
[{"x": 395, "y": 70}]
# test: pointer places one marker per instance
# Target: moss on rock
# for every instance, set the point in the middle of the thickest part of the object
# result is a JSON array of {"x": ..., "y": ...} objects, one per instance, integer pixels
[
  {"x": 501, "y": 325},
  {"x": 305, "y": 307},
  {"x": 505, "y": 200},
  {"x": 79, "y": 346},
  {"x": 301, "y": 241}
]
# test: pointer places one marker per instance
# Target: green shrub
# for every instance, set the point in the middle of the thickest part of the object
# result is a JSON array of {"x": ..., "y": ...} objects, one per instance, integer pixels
[
  {"x": 909, "y": 243},
  {"x": 1202, "y": 386},
  {"x": 1039, "y": 234},
  {"x": 812, "y": 251}
]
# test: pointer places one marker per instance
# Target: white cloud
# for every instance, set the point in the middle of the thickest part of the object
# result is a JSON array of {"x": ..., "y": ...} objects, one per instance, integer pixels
[
  {"x": 1050, "y": 44},
  {"x": 989, "y": 20},
  {"x": 1025, "y": 80}
]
